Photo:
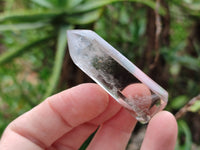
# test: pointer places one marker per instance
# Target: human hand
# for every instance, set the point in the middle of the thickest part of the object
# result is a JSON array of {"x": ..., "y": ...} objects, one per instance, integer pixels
[{"x": 67, "y": 119}]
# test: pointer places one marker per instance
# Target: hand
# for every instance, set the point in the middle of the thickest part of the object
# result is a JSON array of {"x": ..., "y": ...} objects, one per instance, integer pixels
[{"x": 66, "y": 120}]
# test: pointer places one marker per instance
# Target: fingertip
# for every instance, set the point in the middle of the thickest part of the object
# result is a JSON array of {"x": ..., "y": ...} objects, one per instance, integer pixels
[
  {"x": 94, "y": 91},
  {"x": 165, "y": 119},
  {"x": 165, "y": 114},
  {"x": 92, "y": 88},
  {"x": 161, "y": 132}
]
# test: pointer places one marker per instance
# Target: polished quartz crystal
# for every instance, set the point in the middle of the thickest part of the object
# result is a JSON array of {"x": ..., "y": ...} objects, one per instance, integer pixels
[{"x": 124, "y": 81}]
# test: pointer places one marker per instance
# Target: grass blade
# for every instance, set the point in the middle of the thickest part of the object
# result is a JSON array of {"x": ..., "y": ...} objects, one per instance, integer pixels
[{"x": 8, "y": 56}]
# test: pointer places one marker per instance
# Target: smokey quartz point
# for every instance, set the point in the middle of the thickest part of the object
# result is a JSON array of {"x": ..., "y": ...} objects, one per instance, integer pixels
[{"x": 124, "y": 81}]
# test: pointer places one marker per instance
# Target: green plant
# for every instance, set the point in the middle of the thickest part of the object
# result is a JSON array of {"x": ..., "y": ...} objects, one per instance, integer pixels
[
  {"x": 184, "y": 141},
  {"x": 54, "y": 18}
]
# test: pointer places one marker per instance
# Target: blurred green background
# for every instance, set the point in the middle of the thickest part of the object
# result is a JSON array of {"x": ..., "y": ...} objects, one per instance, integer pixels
[{"x": 162, "y": 37}]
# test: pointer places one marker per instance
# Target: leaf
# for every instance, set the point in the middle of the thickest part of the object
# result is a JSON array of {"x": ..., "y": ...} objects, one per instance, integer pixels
[
  {"x": 43, "y": 3},
  {"x": 60, "y": 53},
  {"x": 22, "y": 26},
  {"x": 73, "y": 3},
  {"x": 189, "y": 62},
  {"x": 61, "y": 4},
  {"x": 28, "y": 16},
  {"x": 124, "y": 16},
  {"x": 175, "y": 69},
  {"x": 94, "y": 4},
  {"x": 186, "y": 61},
  {"x": 8, "y": 56},
  {"x": 184, "y": 131},
  {"x": 179, "y": 102},
  {"x": 192, "y": 6},
  {"x": 86, "y": 18},
  {"x": 195, "y": 107}
]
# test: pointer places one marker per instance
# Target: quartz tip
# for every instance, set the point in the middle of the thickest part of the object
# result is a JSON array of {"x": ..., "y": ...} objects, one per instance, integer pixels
[
  {"x": 78, "y": 40},
  {"x": 71, "y": 33},
  {"x": 78, "y": 33},
  {"x": 72, "y": 36}
]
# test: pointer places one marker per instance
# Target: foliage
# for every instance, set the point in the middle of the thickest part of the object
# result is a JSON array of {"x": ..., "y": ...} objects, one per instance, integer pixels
[
  {"x": 196, "y": 106},
  {"x": 34, "y": 48},
  {"x": 178, "y": 102},
  {"x": 184, "y": 137}
]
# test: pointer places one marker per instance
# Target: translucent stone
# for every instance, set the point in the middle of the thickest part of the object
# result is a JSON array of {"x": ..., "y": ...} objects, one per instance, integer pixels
[{"x": 124, "y": 81}]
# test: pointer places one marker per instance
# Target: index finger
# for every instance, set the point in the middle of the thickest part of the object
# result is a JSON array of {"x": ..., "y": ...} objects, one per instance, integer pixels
[{"x": 56, "y": 116}]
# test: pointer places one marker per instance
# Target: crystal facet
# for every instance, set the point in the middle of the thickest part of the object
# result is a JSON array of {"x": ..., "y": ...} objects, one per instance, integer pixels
[{"x": 124, "y": 81}]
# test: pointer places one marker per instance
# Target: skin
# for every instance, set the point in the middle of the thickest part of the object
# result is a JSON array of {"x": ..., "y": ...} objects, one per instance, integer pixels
[{"x": 64, "y": 121}]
